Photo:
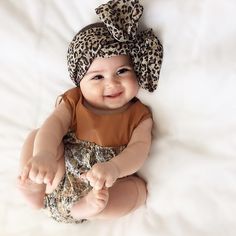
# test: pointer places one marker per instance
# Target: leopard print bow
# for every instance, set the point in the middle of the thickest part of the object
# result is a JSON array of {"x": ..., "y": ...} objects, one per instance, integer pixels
[
  {"x": 121, "y": 18},
  {"x": 117, "y": 35}
]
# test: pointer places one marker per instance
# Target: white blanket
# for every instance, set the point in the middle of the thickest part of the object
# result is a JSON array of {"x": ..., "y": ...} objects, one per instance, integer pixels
[{"x": 191, "y": 171}]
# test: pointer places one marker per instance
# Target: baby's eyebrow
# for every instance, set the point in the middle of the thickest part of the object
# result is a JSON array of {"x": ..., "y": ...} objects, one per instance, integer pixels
[
  {"x": 127, "y": 64},
  {"x": 93, "y": 72},
  {"x": 100, "y": 71}
]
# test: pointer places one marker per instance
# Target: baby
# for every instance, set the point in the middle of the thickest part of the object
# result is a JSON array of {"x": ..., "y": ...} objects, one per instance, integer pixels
[{"x": 82, "y": 163}]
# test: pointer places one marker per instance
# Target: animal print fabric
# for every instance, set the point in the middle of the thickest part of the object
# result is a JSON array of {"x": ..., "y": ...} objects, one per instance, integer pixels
[
  {"x": 80, "y": 156},
  {"x": 117, "y": 35}
]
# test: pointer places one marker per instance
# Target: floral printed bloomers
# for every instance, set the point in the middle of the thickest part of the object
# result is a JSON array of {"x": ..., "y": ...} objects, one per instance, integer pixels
[{"x": 80, "y": 156}]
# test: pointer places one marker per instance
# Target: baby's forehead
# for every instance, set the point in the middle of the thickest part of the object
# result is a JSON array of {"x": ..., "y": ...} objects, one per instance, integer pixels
[{"x": 119, "y": 60}]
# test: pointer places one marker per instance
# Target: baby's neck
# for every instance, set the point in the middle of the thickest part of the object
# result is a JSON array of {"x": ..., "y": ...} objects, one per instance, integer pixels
[{"x": 104, "y": 111}]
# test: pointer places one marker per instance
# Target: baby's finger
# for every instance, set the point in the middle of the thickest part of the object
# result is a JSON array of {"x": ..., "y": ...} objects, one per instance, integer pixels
[
  {"x": 109, "y": 182},
  {"x": 20, "y": 181},
  {"x": 25, "y": 173},
  {"x": 33, "y": 173},
  {"x": 92, "y": 179},
  {"x": 83, "y": 176},
  {"x": 48, "y": 178},
  {"x": 99, "y": 184},
  {"x": 90, "y": 176},
  {"x": 40, "y": 177}
]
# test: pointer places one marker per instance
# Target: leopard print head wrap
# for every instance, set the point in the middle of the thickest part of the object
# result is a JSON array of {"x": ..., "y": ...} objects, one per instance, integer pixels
[{"x": 117, "y": 35}]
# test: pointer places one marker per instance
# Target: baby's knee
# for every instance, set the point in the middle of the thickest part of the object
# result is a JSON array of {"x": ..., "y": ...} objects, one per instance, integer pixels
[
  {"x": 141, "y": 189},
  {"x": 33, "y": 132},
  {"x": 32, "y": 193},
  {"x": 31, "y": 135}
]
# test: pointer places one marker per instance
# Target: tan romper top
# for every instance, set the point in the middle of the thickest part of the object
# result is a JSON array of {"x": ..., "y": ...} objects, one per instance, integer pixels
[{"x": 110, "y": 130}]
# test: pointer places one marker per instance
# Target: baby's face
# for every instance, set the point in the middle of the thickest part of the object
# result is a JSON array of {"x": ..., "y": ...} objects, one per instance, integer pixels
[{"x": 110, "y": 83}]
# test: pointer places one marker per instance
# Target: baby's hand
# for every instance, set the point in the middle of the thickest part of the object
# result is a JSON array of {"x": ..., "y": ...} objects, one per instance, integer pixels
[
  {"x": 40, "y": 169},
  {"x": 102, "y": 175}
]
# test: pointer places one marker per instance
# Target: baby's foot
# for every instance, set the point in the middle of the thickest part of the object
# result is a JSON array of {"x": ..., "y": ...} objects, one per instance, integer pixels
[
  {"x": 90, "y": 205},
  {"x": 33, "y": 193}
]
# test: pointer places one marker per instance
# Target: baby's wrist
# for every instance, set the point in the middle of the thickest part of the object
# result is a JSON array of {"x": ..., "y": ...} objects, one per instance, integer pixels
[
  {"x": 115, "y": 167},
  {"x": 44, "y": 154}
]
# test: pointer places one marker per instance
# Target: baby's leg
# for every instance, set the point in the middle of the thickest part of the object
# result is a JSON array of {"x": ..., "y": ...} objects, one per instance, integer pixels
[
  {"x": 126, "y": 195},
  {"x": 92, "y": 204},
  {"x": 32, "y": 192}
]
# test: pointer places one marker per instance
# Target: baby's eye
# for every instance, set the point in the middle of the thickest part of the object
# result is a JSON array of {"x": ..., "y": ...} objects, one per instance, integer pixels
[
  {"x": 97, "y": 77},
  {"x": 122, "y": 71}
]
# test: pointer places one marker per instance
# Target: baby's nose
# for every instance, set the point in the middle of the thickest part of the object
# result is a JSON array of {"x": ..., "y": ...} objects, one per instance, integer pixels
[{"x": 112, "y": 82}]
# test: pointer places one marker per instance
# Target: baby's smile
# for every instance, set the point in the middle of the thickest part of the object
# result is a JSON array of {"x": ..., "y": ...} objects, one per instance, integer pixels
[{"x": 114, "y": 95}]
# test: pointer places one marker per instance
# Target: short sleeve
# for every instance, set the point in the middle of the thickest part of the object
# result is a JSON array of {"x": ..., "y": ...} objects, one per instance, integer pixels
[
  {"x": 71, "y": 99},
  {"x": 140, "y": 112},
  {"x": 146, "y": 113}
]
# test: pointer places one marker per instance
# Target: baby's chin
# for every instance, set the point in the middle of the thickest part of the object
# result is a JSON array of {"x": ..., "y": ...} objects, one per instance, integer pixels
[{"x": 118, "y": 107}]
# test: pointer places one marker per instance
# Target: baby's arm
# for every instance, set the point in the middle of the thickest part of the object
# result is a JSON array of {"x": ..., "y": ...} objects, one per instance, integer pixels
[
  {"x": 42, "y": 166},
  {"x": 127, "y": 162},
  {"x": 135, "y": 154}
]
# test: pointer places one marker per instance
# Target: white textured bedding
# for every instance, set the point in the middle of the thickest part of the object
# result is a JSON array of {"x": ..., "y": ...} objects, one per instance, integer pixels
[{"x": 191, "y": 172}]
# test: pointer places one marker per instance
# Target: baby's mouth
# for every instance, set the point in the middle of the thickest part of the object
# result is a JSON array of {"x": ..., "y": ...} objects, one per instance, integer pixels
[{"x": 113, "y": 95}]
